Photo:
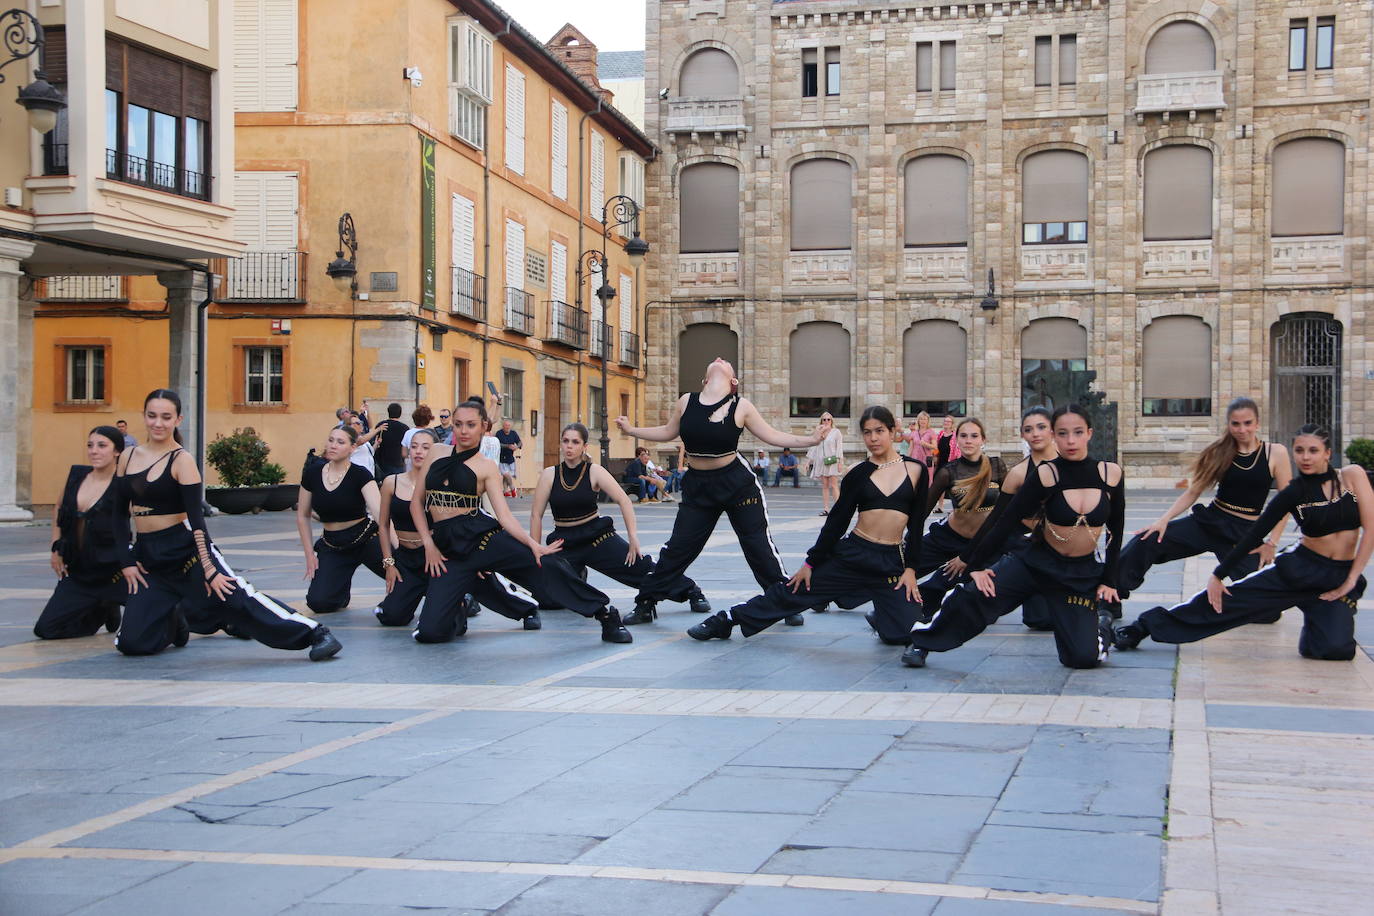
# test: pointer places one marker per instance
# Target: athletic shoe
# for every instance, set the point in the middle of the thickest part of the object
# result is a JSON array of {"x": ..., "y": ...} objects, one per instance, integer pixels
[
  {"x": 182, "y": 634},
  {"x": 323, "y": 644},
  {"x": 717, "y": 626},
  {"x": 914, "y": 657},
  {"x": 644, "y": 612},
  {"x": 1128, "y": 637},
  {"x": 1113, "y": 608},
  {"x": 611, "y": 629},
  {"x": 886, "y": 640},
  {"x": 533, "y": 622},
  {"x": 794, "y": 620},
  {"x": 697, "y": 603}
]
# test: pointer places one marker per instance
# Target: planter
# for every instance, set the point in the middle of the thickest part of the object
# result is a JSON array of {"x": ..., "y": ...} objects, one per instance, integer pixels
[
  {"x": 280, "y": 497},
  {"x": 237, "y": 500}
]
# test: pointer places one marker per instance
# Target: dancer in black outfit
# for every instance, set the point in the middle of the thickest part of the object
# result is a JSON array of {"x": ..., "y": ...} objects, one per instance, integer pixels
[
  {"x": 464, "y": 541},
  {"x": 1320, "y": 576},
  {"x": 1242, "y": 468},
  {"x": 589, "y": 538},
  {"x": 873, "y": 562},
  {"x": 87, "y": 546},
  {"x": 179, "y": 572},
  {"x": 1077, "y": 498},
  {"x": 403, "y": 554},
  {"x": 346, "y": 499},
  {"x": 718, "y": 480}
]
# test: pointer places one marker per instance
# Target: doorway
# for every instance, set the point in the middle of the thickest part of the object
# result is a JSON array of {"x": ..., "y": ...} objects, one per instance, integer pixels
[
  {"x": 1307, "y": 376},
  {"x": 553, "y": 419}
]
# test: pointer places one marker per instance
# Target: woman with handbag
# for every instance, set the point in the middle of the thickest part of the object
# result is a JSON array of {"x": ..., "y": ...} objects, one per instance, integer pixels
[{"x": 826, "y": 462}]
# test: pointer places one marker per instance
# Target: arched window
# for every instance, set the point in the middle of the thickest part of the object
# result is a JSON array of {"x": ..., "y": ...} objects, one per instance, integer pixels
[
  {"x": 822, "y": 207},
  {"x": 1177, "y": 366},
  {"x": 697, "y": 346},
  {"x": 1309, "y": 187},
  {"x": 935, "y": 369},
  {"x": 819, "y": 369},
  {"x": 1052, "y": 349},
  {"x": 709, "y": 74},
  {"x": 1181, "y": 47},
  {"x": 1178, "y": 193},
  {"x": 708, "y": 208},
  {"x": 1054, "y": 198},
  {"x": 936, "y": 201}
]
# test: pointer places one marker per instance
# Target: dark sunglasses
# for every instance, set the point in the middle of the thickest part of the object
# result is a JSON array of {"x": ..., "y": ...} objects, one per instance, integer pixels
[{"x": 443, "y": 416}]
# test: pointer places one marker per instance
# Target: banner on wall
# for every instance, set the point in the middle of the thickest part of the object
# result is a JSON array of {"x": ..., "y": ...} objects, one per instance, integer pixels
[{"x": 428, "y": 289}]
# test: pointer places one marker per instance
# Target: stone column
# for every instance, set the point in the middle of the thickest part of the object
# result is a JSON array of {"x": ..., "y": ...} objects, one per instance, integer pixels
[
  {"x": 186, "y": 290},
  {"x": 12, "y": 253}
]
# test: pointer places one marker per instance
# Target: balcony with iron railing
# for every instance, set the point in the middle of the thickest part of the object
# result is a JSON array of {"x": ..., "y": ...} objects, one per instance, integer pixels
[
  {"x": 601, "y": 337},
  {"x": 567, "y": 325},
  {"x": 262, "y": 276},
  {"x": 629, "y": 349},
  {"x": 469, "y": 295},
  {"x": 83, "y": 289},
  {"x": 54, "y": 157},
  {"x": 519, "y": 311},
  {"x": 160, "y": 176}
]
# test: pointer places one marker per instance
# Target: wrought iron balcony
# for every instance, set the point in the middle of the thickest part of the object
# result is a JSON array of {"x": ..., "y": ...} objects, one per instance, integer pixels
[
  {"x": 469, "y": 295},
  {"x": 159, "y": 176},
  {"x": 602, "y": 335},
  {"x": 54, "y": 157},
  {"x": 567, "y": 325},
  {"x": 83, "y": 289},
  {"x": 519, "y": 311},
  {"x": 629, "y": 349},
  {"x": 263, "y": 276}
]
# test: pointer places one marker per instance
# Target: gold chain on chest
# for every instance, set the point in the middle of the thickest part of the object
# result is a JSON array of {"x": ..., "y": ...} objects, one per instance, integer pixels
[{"x": 580, "y": 475}]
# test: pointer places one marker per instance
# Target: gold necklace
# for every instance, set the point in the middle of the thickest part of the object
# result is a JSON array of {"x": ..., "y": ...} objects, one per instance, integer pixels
[
  {"x": 879, "y": 467},
  {"x": 580, "y": 474},
  {"x": 1259, "y": 450},
  {"x": 330, "y": 485}
]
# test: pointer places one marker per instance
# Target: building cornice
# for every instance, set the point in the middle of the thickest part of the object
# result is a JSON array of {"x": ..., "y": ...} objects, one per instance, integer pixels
[{"x": 812, "y": 13}]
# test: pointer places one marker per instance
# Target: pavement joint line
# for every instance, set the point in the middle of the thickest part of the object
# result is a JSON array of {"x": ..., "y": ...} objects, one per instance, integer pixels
[
  {"x": 602, "y": 662},
  {"x": 605, "y": 872},
  {"x": 75, "y": 832}
]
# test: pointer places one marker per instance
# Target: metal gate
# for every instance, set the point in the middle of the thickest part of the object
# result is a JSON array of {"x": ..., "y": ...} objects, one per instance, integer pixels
[{"x": 1307, "y": 376}]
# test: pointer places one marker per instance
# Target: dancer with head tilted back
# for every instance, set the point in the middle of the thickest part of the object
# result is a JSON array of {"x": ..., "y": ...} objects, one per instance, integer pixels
[{"x": 718, "y": 481}]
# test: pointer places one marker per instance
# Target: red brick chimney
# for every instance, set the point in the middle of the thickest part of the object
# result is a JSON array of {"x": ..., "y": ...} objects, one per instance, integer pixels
[{"x": 578, "y": 54}]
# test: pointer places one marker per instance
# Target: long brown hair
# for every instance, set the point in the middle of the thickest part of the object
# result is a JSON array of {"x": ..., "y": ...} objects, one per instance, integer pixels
[
  {"x": 973, "y": 489},
  {"x": 1212, "y": 462}
]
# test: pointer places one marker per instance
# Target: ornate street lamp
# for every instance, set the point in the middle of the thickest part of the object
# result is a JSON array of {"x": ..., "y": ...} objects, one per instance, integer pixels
[
  {"x": 23, "y": 37},
  {"x": 344, "y": 271}
]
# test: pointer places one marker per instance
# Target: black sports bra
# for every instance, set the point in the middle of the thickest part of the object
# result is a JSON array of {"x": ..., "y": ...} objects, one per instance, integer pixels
[
  {"x": 704, "y": 437},
  {"x": 1245, "y": 485},
  {"x": 572, "y": 498},
  {"x": 400, "y": 514},
  {"x": 1077, "y": 475},
  {"x": 1317, "y": 512},
  {"x": 859, "y": 493},
  {"x": 871, "y": 495},
  {"x": 451, "y": 484},
  {"x": 159, "y": 496}
]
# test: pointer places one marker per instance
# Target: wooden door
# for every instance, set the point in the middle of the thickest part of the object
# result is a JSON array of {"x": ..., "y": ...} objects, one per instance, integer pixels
[{"x": 552, "y": 420}]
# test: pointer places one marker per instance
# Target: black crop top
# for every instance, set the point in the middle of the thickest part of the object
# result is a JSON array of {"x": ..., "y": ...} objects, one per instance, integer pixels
[
  {"x": 400, "y": 513},
  {"x": 1316, "y": 511},
  {"x": 704, "y": 437},
  {"x": 572, "y": 498},
  {"x": 1034, "y": 498},
  {"x": 858, "y": 493},
  {"x": 952, "y": 477},
  {"x": 451, "y": 484},
  {"x": 345, "y": 502},
  {"x": 159, "y": 496},
  {"x": 93, "y": 542},
  {"x": 1245, "y": 485}
]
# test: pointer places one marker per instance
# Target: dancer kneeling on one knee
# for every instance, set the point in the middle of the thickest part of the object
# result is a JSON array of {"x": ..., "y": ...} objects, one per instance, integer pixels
[
  {"x": 1077, "y": 498},
  {"x": 873, "y": 562},
  {"x": 179, "y": 574},
  {"x": 464, "y": 541},
  {"x": 1320, "y": 576},
  {"x": 345, "y": 497}
]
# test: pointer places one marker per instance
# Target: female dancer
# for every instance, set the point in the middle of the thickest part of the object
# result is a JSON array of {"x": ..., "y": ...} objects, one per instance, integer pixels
[
  {"x": 827, "y": 461},
  {"x": 1077, "y": 498},
  {"x": 86, "y": 552},
  {"x": 403, "y": 553},
  {"x": 873, "y": 562},
  {"x": 718, "y": 480},
  {"x": 464, "y": 541},
  {"x": 589, "y": 539},
  {"x": 178, "y": 569},
  {"x": 346, "y": 499},
  {"x": 1321, "y": 575},
  {"x": 1242, "y": 468}
]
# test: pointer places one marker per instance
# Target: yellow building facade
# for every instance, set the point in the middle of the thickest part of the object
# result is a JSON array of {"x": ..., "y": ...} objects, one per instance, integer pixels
[{"x": 474, "y": 167}]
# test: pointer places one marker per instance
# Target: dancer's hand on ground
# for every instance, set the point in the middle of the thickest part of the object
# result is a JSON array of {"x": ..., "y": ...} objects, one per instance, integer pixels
[
  {"x": 220, "y": 586},
  {"x": 1215, "y": 589},
  {"x": 393, "y": 575},
  {"x": 312, "y": 563},
  {"x": 58, "y": 566},
  {"x": 955, "y": 568},
  {"x": 801, "y": 579},
  {"x": 1340, "y": 592},
  {"x": 1107, "y": 593},
  {"x": 632, "y": 555},
  {"x": 1157, "y": 528},
  {"x": 434, "y": 561},
  {"x": 543, "y": 550},
  {"x": 908, "y": 582},
  {"x": 133, "y": 577},
  {"x": 983, "y": 578}
]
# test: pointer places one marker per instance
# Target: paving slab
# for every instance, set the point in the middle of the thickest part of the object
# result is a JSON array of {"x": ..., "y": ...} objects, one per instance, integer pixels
[{"x": 603, "y": 897}]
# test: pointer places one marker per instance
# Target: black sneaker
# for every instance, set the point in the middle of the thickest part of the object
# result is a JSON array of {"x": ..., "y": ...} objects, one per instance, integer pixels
[
  {"x": 644, "y": 612},
  {"x": 182, "y": 633},
  {"x": 698, "y": 603},
  {"x": 1105, "y": 634},
  {"x": 885, "y": 640},
  {"x": 532, "y": 622},
  {"x": 794, "y": 620},
  {"x": 1113, "y": 608},
  {"x": 470, "y": 606},
  {"x": 323, "y": 644},
  {"x": 1128, "y": 637},
  {"x": 914, "y": 657},
  {"x": 611, "y": 628},
  {"x": 717, "y": 626}
]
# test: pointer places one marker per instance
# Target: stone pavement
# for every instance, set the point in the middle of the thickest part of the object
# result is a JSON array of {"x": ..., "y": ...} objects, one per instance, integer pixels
[{"x": 802, "y": 771}]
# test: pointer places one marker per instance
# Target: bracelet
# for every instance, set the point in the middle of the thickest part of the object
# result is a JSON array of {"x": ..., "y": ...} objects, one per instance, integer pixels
[{"x": 388, "y": 562}]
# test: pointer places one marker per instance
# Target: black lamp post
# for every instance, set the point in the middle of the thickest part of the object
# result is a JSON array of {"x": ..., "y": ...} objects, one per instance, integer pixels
[
  {"x": 344, "y": 271},
  {"x": 989, "y": 303},
  {"x": 618, "y": 211},
  {"x": 23, "y": 37}
]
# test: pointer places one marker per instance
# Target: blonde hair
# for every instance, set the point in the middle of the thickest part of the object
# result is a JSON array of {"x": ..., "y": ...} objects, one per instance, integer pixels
[
  {"x": 923, "y": 416},
  {"x": 972, "y": 491}
]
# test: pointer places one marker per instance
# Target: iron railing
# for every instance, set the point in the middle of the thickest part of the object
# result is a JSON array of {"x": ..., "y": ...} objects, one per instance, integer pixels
[
  {"x": 263, "y": 276},
  {"x": 602, "y": 335},
  {"x": 567, "y": 325},
  {"x": 519, "y": 311},
  {"x": 469, "y": 295},
  {"x": 54, "y": 158},
  {"x": 83, "y": 289},
  {"x": 157, "y": 175},
  {"x": 629, "y": 349}
]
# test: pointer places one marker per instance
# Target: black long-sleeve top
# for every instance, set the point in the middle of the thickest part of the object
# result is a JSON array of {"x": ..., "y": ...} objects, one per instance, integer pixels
[
  {"x": 1035, "y": 498},
  {"x": 94, "y": 542},
  {"x": 858, "y": 493},
  {"x": 1315, "y": 510}
]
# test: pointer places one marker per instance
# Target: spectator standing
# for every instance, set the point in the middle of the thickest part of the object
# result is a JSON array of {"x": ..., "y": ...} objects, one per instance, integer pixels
[
  {"x": 825, "y": 461},
  {"x": 443, "y": 433},
  {"x": 787, "y": 465},
  {"x": 420, "y": 417},
  {"x": 364, "y": 455},
  {"x": 123, "y": 426},
  {"x": 510, "y": 442},
  {"x": 386, "y": 439}
]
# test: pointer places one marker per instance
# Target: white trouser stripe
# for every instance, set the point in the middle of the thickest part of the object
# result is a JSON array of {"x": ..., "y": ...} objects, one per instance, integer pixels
[
  {"x": 266, "y": 601},
  {"x": 763, "y": 500}
]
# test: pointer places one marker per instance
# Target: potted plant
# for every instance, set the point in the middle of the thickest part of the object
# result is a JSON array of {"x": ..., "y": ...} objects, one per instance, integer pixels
[
  {"x": 241, "y": 460},
  {"x": 1361, "y": 452},
  {"x": 279, "y": 495}
]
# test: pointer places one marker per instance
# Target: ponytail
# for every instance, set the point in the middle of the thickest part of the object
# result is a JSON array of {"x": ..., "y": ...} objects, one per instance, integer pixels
[
  {"x": 972, "y": 490},
  {"x": 1211, "y": 463}
]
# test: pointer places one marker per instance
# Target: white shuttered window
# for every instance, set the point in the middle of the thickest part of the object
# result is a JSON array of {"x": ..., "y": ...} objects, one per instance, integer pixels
[
  {"x": 265, "y": 205},
  {"x": 515, "y": 254},
  {"x": 265, "y": 55},
  {"x": 558, "y": 272},
  {"x": 559, "y": 133},
  {"x": 464, "y": 229},
  {"x": 515, "y": 120},
  {"x": 627, "y": 302},
  {"x": 598, "y": 176},
  {"x": 598, "y": 313}
]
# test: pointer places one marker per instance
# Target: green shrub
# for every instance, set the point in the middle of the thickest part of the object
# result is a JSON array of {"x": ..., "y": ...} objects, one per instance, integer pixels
[
  {"x": 241, "y": 459},
  {"x": 1361, "y": 452},
  {"x": 270, "y": 474}
]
